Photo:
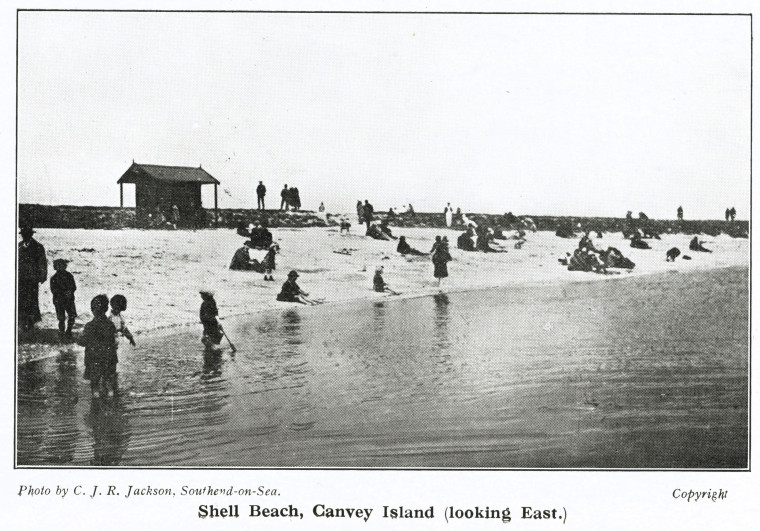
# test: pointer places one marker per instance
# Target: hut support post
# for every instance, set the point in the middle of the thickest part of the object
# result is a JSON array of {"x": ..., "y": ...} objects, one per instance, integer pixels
[
  {"x": 121, "y": 194},
  {"x": 216, "y": 204}
]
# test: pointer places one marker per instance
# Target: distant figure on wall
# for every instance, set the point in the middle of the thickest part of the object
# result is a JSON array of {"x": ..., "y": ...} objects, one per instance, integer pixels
[
  {"x": 32, "y": 271},
  {"x": 728, "y": 214},
  {"x": 284, "y": 194},
  {"x": 679, "y": 213},
  {"x": 261, "y": 191},
  {"x": 733, "y": 213}
]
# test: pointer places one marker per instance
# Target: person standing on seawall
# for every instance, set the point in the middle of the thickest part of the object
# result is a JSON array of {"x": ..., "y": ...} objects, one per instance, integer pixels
[
  {"x": 261, "y": 191},
  {"x": 679, "y": 213},
  {"x": 285, "y": 195},
  {"x": 32, "y": 271}
]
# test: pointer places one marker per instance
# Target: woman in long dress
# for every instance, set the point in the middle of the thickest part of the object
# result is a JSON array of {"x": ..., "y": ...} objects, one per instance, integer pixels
[
  {"x": 448, "y": 214},
  {"x": 441, "y": 258}
]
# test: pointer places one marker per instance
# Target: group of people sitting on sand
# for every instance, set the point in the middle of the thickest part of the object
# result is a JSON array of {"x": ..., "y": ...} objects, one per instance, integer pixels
[
  {"x": 259, "y": 238},
  {"x": 587, "y": 257}
]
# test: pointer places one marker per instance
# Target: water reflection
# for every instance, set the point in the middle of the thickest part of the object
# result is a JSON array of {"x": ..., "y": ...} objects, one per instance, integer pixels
[
  {"x": 212, "y": 364},
  {"x": 110, "y": 431},
  {"x": 441, "y": 321},
  {"x": 295, "y": 372},
  {"x": 291, "y": 327},
  {"x": 47, "y": 425}
]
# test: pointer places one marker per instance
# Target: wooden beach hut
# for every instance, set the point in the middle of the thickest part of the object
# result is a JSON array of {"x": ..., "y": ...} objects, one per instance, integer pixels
[{"x": 170, "y": 192}]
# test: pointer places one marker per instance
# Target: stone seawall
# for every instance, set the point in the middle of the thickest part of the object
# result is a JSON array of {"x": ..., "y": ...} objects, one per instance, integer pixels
[{"x": 95, "y": 217}]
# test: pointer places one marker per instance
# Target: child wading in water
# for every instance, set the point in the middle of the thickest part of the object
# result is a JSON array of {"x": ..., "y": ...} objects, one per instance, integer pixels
[
  {"x": 212, "y": 330},
  {"x": 99, "y": 341},
  {"x": 119, "y": 305},
  {"x": 63, "y": 286}
]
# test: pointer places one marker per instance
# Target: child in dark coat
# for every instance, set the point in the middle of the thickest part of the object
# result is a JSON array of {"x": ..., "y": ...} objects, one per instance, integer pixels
[
  {"x": 212, "y": 330},
  {"x": 63, "y": 286},
  {"x": 99, "y": 341}
]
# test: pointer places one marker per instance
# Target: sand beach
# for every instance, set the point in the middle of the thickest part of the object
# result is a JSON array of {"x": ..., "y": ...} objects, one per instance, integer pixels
[{"x": 161, "y": 272}]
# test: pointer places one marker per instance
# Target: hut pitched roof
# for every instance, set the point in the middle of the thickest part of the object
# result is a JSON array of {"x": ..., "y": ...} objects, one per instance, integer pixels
[{"x": 175, "y": 174}]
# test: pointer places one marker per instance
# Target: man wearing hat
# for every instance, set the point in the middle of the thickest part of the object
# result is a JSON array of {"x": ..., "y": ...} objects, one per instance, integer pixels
[{"x": 32, "y": 271}]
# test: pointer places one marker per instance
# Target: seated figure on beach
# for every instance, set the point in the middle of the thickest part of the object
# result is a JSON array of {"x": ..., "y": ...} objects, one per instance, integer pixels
[
  {"x": 292, "y": 292},
  {"x": 261, "y": 238},
  {"x": 243, "y": 230},
  {"x": 638, "y": 243},
  {"x": 485, "y": 235},
  {"x": 385, "y": 229},
  {"x": 373, "y": 231},
  {"x": 378, "y": 283},
  {"x": 528, "y": 223},
  {"x": 243, "y": 261},
  {"x": 465, "y": 241},
  {"x": 584, "y": 259},
  {"x": 612, "y": 257},
  {"x": 586, "y": 242},
  {"x": 696, "y": 245},
  {"x": 672, "y": 254},
  {"x": 565, "y": 230},
  {"x": 404, "y": 247}
]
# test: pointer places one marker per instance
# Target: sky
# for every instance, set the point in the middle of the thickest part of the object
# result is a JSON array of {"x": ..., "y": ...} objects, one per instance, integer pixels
[{"x": 533, "y": 114}]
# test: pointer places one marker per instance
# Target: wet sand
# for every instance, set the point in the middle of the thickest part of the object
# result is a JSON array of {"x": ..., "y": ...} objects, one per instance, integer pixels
[{"x": 647, "y": 372}]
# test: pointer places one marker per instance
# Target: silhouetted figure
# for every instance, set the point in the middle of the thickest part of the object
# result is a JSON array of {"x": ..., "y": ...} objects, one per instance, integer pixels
[
  {"x": 368, "y": 211},
  {"x": 441, "y": 257},
  {"x": 63, "y": 286},
  {"x": 679, "y": 213},
  {"x": 261, "y": 191},
  {"x": 32, "y": 271},
  {"x": 285, "y": 197},
  {"x": 728, "y": 214},
  {"x": 733, "y": 214},
  {"x": 99, "y": 341},
  {"x": 360, "y": 211}
]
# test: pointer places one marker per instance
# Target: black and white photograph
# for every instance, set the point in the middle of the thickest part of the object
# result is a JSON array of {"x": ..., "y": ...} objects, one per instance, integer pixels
[{"x": 349, "y": 240}]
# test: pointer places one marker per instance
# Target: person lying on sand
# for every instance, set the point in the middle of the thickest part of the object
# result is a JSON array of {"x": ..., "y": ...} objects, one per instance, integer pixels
[
  {"x": 404, "y": 248},
  {"x": 485, "y": 236},
  {"x": 373, "y": 231},
  {"x": 696, "y": 245},
  {"x": 638, "y": 243},
  {"x": 292, "y": 292},
  {"x": 385, "y": 229},
  {"x": 584, "y": 259},
  {"x": 612, "y": 257},
  {"x": 379, "y": 284}
]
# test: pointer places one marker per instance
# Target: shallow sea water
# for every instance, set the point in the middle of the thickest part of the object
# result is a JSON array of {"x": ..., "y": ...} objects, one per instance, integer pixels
[{"x": 647, "y": 372}]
